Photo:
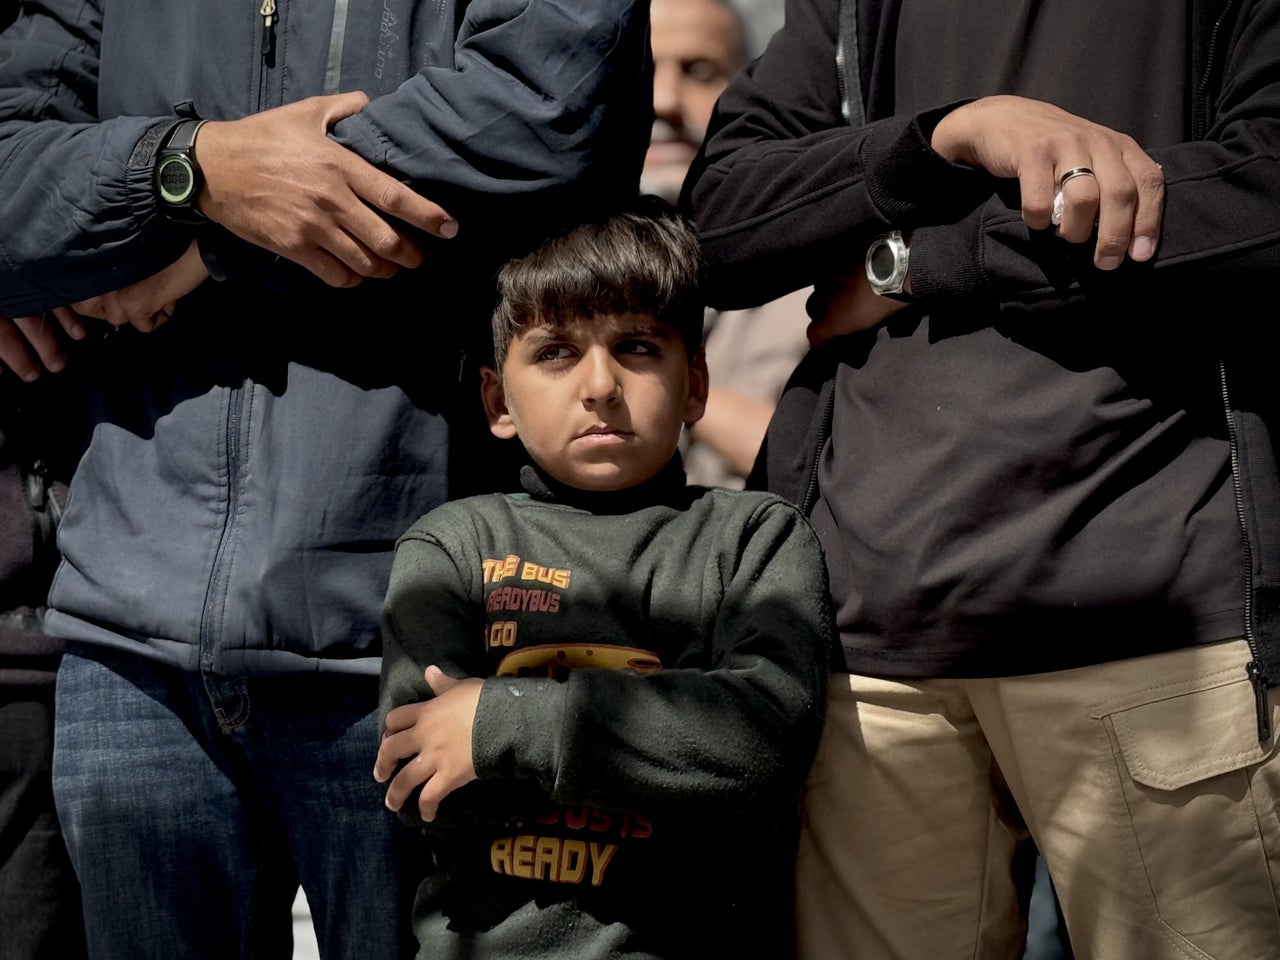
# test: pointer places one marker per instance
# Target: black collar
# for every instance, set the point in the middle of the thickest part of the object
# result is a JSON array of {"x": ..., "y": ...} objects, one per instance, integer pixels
[{"x": 665, "y": 487}]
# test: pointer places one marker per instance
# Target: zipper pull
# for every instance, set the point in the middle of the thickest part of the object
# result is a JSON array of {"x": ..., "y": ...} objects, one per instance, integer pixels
[
  {"x": 38, "y": 486},
  {"x": 1259, "y": 681},
  {"x": 268, "y": 13}
]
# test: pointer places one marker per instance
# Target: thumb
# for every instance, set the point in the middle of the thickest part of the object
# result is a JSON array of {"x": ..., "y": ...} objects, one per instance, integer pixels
[
  {"x": 339, "y": 106},
  {"x": 437, "y": 681}
]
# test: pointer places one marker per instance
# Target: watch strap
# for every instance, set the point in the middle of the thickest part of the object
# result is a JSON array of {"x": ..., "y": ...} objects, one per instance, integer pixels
[
  {"x": 184, "y": 135},
  {"x": 177, "y": 149}
]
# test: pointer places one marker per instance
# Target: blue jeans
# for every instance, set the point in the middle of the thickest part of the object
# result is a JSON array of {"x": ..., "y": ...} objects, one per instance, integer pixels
[{"x": 193, "y": 805}]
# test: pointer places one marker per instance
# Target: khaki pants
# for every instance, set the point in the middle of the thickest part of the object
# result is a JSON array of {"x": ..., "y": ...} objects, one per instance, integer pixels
[{"x": 1142, "y": 782}]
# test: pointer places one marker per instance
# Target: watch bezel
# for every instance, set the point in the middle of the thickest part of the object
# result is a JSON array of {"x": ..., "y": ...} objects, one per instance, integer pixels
[
  {"x": 182, "y": 160},
  {"x": 893, "y": 283}
]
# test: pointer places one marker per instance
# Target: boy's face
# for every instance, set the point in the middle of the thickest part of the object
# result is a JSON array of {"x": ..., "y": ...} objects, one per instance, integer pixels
[{"x": 598, "y": 403}]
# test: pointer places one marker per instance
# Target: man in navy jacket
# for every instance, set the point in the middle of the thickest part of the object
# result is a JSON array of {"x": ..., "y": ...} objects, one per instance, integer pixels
[{"x": 302, "y": 204}]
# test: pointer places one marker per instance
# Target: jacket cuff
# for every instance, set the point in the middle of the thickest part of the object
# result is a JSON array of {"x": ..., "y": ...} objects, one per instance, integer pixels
[
  {"x": 140, "y": 172},
  {"x": 909, "y": 183},
  {"x": 992, "y": 253}
]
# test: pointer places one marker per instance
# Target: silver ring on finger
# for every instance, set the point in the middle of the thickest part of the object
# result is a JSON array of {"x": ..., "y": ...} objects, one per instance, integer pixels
[
  {"x": 1072, "y": 174},
  {"x": 1055, "y": 217}
]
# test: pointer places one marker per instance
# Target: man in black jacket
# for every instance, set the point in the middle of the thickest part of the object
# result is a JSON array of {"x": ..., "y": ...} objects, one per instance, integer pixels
[{"x": 1037, "y": 445}]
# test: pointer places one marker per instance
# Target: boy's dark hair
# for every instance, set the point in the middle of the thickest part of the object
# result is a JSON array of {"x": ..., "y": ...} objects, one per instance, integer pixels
[{"x": 643, "y": 260}]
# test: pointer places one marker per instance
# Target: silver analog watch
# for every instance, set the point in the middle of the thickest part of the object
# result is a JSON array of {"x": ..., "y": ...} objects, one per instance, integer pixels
[{"x": 887, "y": 259}]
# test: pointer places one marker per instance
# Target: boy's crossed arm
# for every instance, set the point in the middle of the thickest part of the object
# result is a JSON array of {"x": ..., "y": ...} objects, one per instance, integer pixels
[
  {"x": 437, "y": 735},
  {"x": 687, "y": 739}
]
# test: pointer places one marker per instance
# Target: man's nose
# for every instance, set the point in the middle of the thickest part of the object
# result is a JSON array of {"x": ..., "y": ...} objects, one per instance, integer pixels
[{"x": 666, "y": 92}]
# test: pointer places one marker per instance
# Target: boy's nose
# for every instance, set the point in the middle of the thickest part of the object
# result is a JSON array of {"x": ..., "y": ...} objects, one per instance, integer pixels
[{"x": 600, "y": 382}]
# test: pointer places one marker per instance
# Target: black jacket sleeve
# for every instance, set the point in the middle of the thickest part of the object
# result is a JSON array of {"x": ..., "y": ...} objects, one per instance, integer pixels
[{"x": 784, "y": 192}]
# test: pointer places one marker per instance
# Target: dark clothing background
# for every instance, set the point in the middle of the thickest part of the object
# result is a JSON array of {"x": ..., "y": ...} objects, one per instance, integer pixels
[
  {"x": 41, "y": 426},
  {"x": 41, "y": 431},
  {"x": 39, "y": 896}
]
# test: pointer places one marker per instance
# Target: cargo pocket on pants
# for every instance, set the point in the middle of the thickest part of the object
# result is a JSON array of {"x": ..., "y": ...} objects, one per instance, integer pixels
[{"x": 1201, "y": 792}]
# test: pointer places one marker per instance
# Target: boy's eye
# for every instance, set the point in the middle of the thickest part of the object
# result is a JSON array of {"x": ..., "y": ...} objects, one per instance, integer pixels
[
  {"x": 557, "y": 351},
  {"x": 641, "y": 347}
]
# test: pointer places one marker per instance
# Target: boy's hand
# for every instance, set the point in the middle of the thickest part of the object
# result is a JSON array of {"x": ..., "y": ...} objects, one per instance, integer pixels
[{"x": 437, "y": 734}]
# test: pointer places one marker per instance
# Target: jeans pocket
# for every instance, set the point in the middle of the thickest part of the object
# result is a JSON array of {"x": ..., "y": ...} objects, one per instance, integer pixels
[{"x": 1201, "y": 793}]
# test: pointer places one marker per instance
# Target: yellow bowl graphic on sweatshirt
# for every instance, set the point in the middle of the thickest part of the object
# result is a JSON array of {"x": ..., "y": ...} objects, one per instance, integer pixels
[{"x": 555, "y": 659}]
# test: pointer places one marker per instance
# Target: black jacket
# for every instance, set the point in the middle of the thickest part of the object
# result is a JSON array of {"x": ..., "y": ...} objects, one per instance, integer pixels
[{"x": 785, "y": 188}]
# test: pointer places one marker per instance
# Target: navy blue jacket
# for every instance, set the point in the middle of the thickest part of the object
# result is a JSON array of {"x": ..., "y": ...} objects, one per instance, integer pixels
[{"x": 255, "y": 459}]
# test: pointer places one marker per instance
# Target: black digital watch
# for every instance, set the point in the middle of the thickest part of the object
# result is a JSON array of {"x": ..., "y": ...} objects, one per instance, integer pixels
[{"x": 178, "y": 180}]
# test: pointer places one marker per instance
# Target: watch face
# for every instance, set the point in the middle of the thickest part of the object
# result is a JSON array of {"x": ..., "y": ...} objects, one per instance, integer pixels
[
  {"x": 176, "y": 179},
  {"x": 881, "y": 261}
]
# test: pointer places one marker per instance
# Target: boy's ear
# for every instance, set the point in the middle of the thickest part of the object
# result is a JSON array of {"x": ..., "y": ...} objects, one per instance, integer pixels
[
  {"x": 699, "y": 383},
  {"x": 494, "y": 399}
]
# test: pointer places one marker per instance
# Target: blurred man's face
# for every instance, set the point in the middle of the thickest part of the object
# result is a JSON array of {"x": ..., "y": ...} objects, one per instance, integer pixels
[{"x": 697, "y": 47}]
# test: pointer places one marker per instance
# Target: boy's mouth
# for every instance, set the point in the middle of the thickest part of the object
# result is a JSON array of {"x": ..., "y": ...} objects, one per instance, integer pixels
[{"x": 603, "y": 434}]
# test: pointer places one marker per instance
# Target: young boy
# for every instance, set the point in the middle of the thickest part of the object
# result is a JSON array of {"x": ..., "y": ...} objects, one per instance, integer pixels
[{"x": 644, "y": 807}]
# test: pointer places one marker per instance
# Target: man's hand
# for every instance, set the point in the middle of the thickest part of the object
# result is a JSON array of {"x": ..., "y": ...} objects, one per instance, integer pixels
[
  {"x": 29, "y": 345},
  {"x": 437, "y": 734},
  {"x": 1037, "y": 143},
  {"x": 276, "y": 179},
  {"x": 844, "y": 305},
  {"x": 149, "y": 303}
]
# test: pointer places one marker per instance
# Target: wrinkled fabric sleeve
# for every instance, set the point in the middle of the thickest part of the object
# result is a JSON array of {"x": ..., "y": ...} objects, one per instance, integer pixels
[
  {"x": 76, "y": 201},
  {"x": 736, "y": 737},
  {"x": 542, "y": 119},
  {"x": 433, "y": 614},
  {"x": 544, "y": 95}
]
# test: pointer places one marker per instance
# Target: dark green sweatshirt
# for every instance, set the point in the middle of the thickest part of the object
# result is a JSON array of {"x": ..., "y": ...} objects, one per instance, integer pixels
[{"x": 644, "y": 807}]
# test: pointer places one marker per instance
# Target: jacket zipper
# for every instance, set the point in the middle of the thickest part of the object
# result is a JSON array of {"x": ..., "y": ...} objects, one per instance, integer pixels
[
  {"x": 211, "y": 623},
  {"x": 845, "y": 112},
  {"x": 1206, "y": 79},
  {"x": 45, "y": 506},
  {"x": 215, "y": 596},
  {"x": 268, "y": 13},
  {"x": 824, "y": 432},
  {"x": 1253, "y": 667},
  {"x": 1257, "y": 678}
]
